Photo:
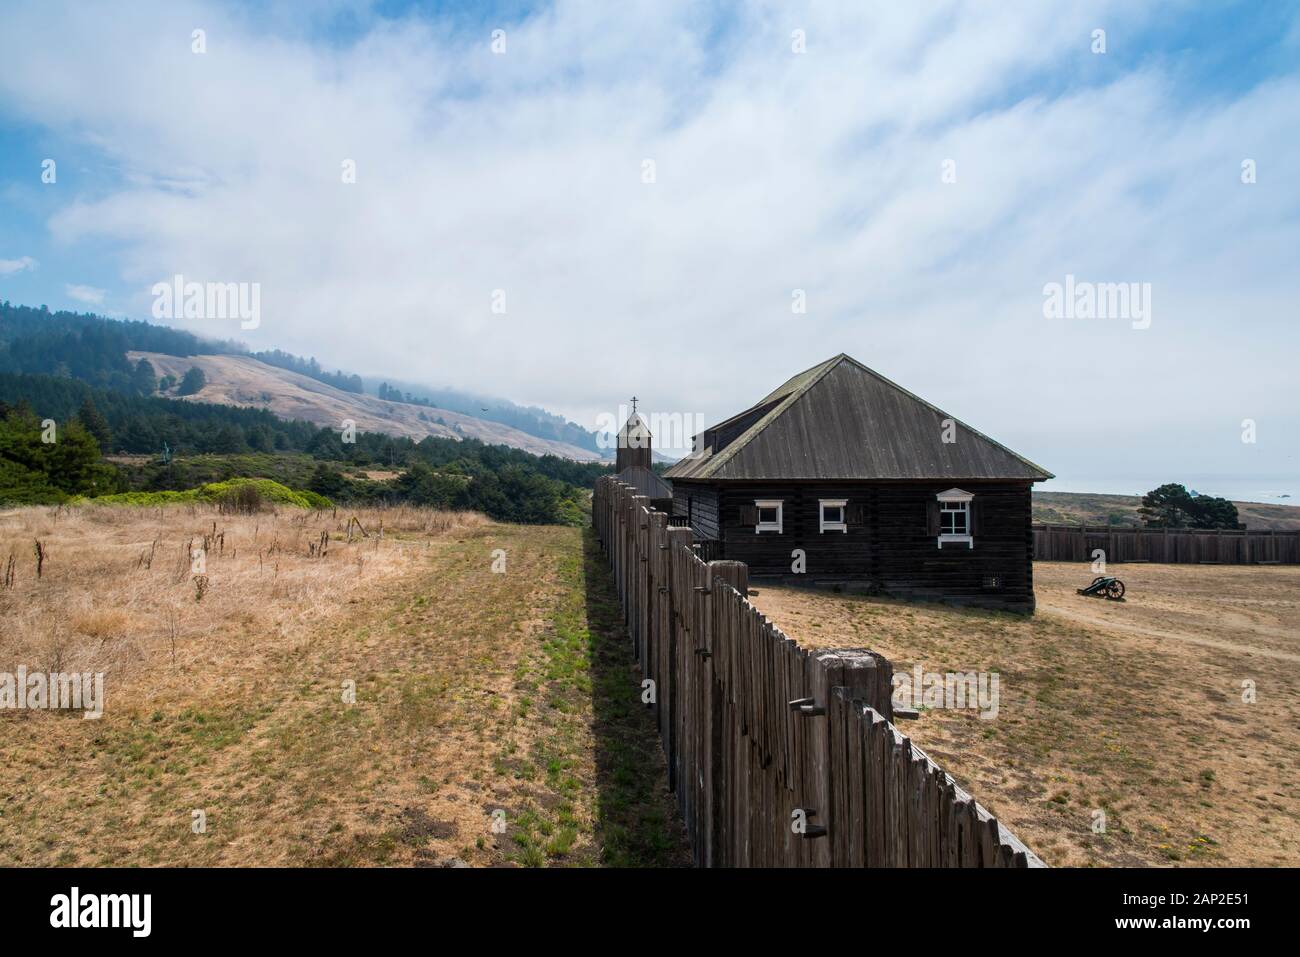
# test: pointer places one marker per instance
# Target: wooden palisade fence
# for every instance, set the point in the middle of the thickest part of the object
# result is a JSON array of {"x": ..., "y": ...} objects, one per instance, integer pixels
[
  {"x": 1076, "y": 543},
  {"x": 778, "y": 756}
]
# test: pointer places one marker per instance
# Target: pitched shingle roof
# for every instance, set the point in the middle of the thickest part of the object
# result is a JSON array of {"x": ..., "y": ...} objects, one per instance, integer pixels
[{"x": 841, "y": 420}]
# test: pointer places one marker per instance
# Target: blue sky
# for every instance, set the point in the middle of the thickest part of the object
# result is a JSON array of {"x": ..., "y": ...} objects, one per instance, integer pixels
[{"x": 776, "y": 171}]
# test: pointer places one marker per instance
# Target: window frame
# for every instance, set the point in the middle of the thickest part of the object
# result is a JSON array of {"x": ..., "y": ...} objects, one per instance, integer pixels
[
  {"x": 842, "y": 525},
  {"x": 776, "y": 527},
  {"x": 956, "y": 501}
]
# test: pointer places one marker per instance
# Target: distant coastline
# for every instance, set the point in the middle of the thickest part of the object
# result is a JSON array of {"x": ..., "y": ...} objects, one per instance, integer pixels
[
  {"x": 1270, "y": 490},
  {"x": 1092, "y": 508}
]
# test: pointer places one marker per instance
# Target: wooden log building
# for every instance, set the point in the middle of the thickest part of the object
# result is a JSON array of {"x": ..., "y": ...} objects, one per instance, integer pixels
[
  {"x": 632, "y": 463},
  {"x": 842, "y": 477}
]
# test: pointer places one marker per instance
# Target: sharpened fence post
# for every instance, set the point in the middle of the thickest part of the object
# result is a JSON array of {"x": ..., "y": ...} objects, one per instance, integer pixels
[
  {"x": 679, "y": 590},
  {"x": 723, "y": 621}
]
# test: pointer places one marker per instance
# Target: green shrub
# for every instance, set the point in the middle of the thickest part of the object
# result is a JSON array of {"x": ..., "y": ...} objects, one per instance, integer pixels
[
  {"x": 241, "y": 500},
  {"x": 224, "y": 494}
]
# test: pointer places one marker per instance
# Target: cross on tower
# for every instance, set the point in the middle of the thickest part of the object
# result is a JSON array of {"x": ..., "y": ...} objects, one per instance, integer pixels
[{"x": 634, "y": 405}]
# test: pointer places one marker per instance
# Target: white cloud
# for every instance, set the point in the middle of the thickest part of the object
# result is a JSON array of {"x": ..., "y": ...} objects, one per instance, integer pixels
[
  {"x": 9, "y": 267},
  {"x": 86, "y": 294},
  {"x": 775, "y": 172}
]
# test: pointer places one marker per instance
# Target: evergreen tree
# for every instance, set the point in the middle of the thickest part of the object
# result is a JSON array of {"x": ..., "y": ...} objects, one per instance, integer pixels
[
  {"x": 144, "y": 378},
  {"x": 96, "y": 425},
  {"x": 1172, "y": 506},
  {"x": 1212, "y": 512},
  {"x": 1168, "y": 506},
  {"x": 35, "y": 472},
  {"x": 139, "y": 438},
  {"x": 329, "y": 482},
  {"x": 325, "y": 445},
  {"x": 260, "y": 439},
  {"x": 193, "y": 381},
  {"x": 229, "y": 440}
]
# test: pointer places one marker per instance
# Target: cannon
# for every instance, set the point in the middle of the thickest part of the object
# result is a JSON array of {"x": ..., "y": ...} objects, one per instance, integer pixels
[{"x": 1104, "y": 586}]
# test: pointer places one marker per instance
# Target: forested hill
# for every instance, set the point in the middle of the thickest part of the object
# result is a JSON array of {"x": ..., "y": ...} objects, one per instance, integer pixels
[
  {"x": 244, "y": 381},
  {"x": 529, "y": 419},
  {"x": 88, "y": 347},
  {"x": 93, "y": 349},
  {"x": 123, "y": 428},
  {"x": 176, "y": 445}
]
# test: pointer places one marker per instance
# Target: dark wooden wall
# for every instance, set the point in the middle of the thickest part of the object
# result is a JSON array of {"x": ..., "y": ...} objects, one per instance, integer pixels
[
  {"x": 628, "y": 455},
  {"x": 892, "y": 548},
  {"x": 1076, "y": 543},
  {"x": 700, "y": 502}
]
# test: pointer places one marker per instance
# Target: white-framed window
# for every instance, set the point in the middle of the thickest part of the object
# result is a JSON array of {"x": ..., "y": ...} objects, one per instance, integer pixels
[
  {"x": 770, "y": 513},
  {"x": 954, "y": 518},
  {"x": 831, "y": 515}
]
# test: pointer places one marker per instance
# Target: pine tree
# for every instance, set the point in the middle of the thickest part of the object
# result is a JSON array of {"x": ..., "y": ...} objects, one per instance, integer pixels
[
  {"x": 144, "y": 378},
  {"x": 96, "y": 425},
  {"x": 193, "y": 381},
  {"x": 229, "y": 440}
]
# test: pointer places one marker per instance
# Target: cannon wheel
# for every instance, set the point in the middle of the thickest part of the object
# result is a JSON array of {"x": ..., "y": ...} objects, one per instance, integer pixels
[{"x": 1115, "y": 590}]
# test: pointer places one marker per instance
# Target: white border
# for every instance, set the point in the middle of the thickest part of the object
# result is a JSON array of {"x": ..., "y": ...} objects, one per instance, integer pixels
[
  {"x": 962, "y": 497},
  {"x": 779, "y": 505},
  {"x": 825, "y": 526}
]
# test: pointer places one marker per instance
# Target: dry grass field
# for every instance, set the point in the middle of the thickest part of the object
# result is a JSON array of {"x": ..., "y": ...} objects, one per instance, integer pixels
[
  {"x": 1132, "y": 708},
  {"x": 475, "y": 692},
  {"x": 479, "y": 692}
]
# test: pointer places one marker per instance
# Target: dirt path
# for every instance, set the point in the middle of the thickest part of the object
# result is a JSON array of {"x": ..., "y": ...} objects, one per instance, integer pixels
[{"x": 1096, "y": 620}]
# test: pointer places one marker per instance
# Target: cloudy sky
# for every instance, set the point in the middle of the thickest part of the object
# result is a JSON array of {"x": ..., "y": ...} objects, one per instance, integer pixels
[{"x": 654, "y": 188}]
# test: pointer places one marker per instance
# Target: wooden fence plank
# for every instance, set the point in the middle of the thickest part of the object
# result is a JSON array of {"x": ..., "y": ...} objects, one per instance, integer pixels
[
  {"x": 741, "y": 759},
  {"x": 1075, "y": 543}
]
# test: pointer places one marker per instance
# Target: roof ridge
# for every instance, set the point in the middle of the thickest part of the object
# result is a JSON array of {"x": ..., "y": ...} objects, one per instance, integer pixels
[
  {"x": 635, "y": 417},
  {"x": 735, "y": 447}
]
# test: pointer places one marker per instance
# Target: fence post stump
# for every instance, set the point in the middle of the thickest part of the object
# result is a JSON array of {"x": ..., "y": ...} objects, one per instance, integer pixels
[{"x": 858, "y": 673}]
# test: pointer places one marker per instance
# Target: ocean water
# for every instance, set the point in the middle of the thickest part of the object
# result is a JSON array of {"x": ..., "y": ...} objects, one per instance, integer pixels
[{"x": 1270, "y": 490}]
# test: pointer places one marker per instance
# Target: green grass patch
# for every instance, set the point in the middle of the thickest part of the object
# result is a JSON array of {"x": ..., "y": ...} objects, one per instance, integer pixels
[{"x": 214, "y": 492}]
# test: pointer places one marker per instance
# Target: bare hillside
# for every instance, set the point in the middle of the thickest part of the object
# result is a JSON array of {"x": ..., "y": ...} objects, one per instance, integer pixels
[
  {"x": 1074, "y": 508},
  {"x": 244, "y": 381}
]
